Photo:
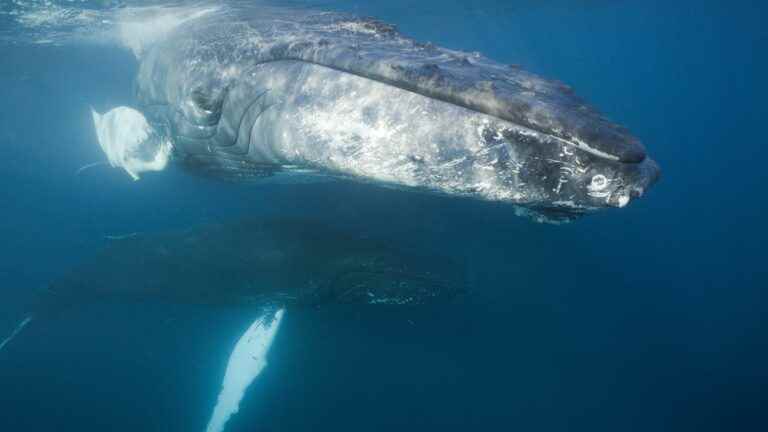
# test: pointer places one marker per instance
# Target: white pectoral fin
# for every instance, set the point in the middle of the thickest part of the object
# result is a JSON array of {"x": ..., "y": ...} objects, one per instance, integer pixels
[
  {"x": 96, "y": 121},
  {"x": 129, "y": 141},
  {"x": 246, "y": 362}
]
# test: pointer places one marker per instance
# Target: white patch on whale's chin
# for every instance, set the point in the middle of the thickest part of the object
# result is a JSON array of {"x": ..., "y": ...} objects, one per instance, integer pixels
[
  {"x": 246, "y": 362},
  {"x": 130, "y": 142}
]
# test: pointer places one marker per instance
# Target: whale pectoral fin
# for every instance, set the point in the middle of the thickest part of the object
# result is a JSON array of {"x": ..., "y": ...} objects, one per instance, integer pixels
[
  {"x": 130, "y": 142},
  {"x": 248, "y": 359}
]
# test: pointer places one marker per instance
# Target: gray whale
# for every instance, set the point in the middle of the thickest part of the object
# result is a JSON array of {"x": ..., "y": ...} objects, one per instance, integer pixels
[{"x": 242, "y": 98}]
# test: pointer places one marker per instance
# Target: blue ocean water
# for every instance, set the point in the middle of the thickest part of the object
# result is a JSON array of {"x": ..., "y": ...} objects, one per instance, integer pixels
[{"x": 652, "y": 317}]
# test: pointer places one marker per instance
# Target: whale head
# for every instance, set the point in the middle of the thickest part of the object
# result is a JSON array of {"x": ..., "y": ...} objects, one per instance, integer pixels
[{"x": 557, "y": 179}]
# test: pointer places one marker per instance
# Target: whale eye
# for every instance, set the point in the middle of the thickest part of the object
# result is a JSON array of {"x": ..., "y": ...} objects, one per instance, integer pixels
[
  {"x": 206, "y": 101},
  {"x": 599, "y": 182},
  {"x": 203, "y": 106}
]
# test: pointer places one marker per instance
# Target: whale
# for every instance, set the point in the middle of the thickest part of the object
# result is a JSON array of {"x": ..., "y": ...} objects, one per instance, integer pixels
[
  {"x": 269, "y": 266},
  {"x": 244, "y": 97},
  {"x": 287, "y": 262}
]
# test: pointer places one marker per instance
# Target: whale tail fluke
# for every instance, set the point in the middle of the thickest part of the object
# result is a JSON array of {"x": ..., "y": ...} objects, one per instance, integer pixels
[
  {"x": 15, "y": 332},
  {"x": 246, "y": 362}
]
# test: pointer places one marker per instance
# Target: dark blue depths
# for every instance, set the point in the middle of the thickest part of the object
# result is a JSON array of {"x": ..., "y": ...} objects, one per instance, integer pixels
[{"x": 651, "y": 317}]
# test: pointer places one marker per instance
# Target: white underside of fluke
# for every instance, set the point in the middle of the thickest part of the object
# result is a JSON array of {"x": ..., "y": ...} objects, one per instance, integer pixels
[
  {"x": 129, "y": 141},
  {"x": 246, "y": 362}
]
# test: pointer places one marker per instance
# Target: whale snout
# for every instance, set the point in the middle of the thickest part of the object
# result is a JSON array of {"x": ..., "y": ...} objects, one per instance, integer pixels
[{"x": 630, "y": 181}]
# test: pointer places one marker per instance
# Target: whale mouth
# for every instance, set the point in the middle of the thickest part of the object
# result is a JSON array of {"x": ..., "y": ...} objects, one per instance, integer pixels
[
  {"x": 609, "y": 185},
  {"x": 648, "y": 173},
  {"x": 643, "y": 176}
]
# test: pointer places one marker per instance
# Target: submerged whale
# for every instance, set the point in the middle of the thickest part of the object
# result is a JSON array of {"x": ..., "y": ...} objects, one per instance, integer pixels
[
  {"x": 263, "y": 263},
  {"x": 246, "y": 97},
  {"x": 269, "y": 265}
]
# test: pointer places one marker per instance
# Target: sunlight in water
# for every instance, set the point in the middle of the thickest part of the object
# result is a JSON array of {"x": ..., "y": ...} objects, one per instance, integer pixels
[
  {"x": 132, "y": 24},
  {"x": 141, "y": 27},
  {"x": 246, "y": 362}
]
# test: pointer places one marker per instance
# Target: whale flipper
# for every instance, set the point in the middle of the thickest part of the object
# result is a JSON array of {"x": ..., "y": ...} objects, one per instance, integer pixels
[
  {"x": 130, "y": 142},
  {"x": 246, "y": 362}
]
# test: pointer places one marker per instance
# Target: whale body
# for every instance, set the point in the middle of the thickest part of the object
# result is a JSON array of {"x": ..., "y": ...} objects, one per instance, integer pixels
[
  {"x": 270, "y": 266},
  {"x": 244, "y": 97},
  {"x": 273, "y": 263}
]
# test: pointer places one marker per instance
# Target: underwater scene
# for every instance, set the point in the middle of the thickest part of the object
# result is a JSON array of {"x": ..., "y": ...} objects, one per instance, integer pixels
[{"x": 265, "y": 215}]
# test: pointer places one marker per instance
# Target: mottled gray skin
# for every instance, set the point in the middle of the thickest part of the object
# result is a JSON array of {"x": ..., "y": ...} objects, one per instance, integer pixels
[
  {"x": 243, "y": 98},
  {"x": 263, "y": 263}
]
